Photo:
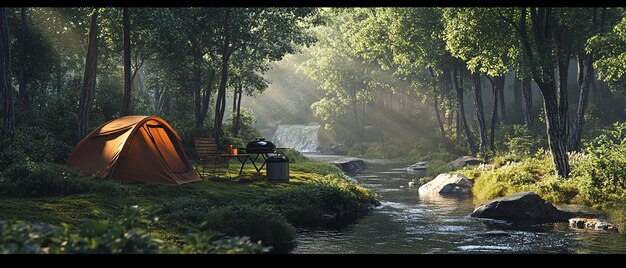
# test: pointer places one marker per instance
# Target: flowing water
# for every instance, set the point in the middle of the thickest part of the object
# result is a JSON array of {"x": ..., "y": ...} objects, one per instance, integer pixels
[
  {"x": 405, "y": 223},
  {"x": 302, "y": 138}
]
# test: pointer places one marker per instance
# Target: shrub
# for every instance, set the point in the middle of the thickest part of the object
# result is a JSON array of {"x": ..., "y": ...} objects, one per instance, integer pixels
[
  {"x": 436, "y": 167},
  {"x": 332, "y": 194},
  {"x": 603, "y": 171},
  {"x": 617, "y": 213},
  {"x": 127, "y": 234},
  {"x": 295, "y": 156},
  {"x": 518, "y": 140},
  {"x": 29, "y": 179},
  {"x": 259, "y": 222}
]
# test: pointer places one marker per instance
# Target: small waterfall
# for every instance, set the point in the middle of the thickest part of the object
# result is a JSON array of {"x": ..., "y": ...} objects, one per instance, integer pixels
[{"x": 302, "y": 138}]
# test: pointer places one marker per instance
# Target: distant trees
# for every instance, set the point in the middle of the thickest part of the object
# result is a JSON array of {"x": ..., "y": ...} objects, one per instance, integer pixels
[{"x": 437, "y": 48}]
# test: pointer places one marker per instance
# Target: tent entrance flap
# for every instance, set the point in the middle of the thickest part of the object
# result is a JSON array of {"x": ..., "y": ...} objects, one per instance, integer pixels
[{"x": 170, "y": 151}]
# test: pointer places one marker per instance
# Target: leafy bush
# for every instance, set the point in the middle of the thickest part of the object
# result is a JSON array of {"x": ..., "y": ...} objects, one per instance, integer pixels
[
  {"x": 518, "y": 140},
  {"x": 603, "y": 172},
  {"x": 259, "y": 222},
  {"x": 295, "y": 156},
  {"x": 29, "y": 179},
  {"x": 212, "y": 243},
  {"x": 617, "y": 213},
  {"x": 333, "y": 194},
  {"x": 436, "y": 167},
  {"x": 509, "y": 179},
  {"x": 128, "y": 234}
]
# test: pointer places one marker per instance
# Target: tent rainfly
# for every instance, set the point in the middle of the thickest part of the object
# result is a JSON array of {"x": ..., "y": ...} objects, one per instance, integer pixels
[{"x": 134, "y": 149}]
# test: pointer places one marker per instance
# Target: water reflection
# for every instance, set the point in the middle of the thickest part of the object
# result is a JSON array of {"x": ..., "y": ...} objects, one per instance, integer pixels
[{"x": 408, "y": 223}]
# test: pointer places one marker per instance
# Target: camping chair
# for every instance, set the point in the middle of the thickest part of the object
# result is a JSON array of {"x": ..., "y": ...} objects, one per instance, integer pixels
[{"x": 207, "y": 154}]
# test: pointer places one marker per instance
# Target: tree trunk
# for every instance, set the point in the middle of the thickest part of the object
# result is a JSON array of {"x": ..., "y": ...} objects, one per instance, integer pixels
[
  {"x": 441, "y": 128},
  {"x": 562, "y": 96},
  {"x": 517, "y": 99},
  {"x": 556, "y": 138},
  {"x": 236, "y": 126},
  {"x": 494, "y": 111},
  {"x": 584, "y": 81},
  {"x": 450, "y": 124},
  {"x": 5, "y": 77},
  {"x": 220, "y": 101},
  {"x": 583, "y": 98},
  {"x": 458, "y": 125},
  {"x": 436, "y": 106},
  {"x": 458, "y": 85},
  {"x": 127, "y": 70},
  {"x": 23, "y": 91},
  {"x": 89, "y": 80},
  {"x": 206, "y": 100},
  {"x": 478, "y": 110},
  {"x": 527, "y": 101},
  {"x": 500, "y": 81},
  {"x": 543, "y": 37}
]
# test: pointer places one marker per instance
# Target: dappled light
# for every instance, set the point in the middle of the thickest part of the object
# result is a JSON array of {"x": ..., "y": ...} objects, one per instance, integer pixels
[{"x": 299, "y": 130}]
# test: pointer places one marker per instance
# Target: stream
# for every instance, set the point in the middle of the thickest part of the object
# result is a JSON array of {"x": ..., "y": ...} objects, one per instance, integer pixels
[{"x": 405, "y": 223}]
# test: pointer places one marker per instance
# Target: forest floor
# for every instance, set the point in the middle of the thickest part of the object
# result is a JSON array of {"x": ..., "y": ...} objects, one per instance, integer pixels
[{"x": 263, "y": 210}]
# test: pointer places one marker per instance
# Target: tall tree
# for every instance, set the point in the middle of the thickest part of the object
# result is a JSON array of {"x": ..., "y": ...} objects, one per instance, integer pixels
[
  {"x": 127, "y": 70},
  {"x": 88, "y": 91},
  {"x": 479, "y": 114},
  {"x": 5, "y": 77},
  {"x": 23, "y": 91},
  {"x": 538, "y": 50}
]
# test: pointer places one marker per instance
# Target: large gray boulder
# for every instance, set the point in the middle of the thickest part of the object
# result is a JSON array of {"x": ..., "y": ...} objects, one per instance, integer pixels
[
  {"x": 350, "y": 165},
  {"x": 525, "y": 207},
  {"x": 447, "y": 184},
  {"x": 465, "y": 161}
]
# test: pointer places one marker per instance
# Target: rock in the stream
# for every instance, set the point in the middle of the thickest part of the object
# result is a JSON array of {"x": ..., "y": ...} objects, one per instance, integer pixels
[
  {"x": 447, "y": 184},
  {"x": 465, "y": 161},
  {"x": 592, "y": 223},
  {"x": 418, "y": 169},
  {"x": 350, "y": 166},
  {"x": 525, "y": 207}
]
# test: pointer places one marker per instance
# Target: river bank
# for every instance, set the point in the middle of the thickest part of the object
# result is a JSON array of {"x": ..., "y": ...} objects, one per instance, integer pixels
[{"x": 261, "y": 210}]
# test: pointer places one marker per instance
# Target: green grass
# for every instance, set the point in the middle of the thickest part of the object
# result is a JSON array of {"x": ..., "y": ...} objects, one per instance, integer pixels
[
  {"x": 536, "y": 174},
  {"x": 262, "y": 210}
]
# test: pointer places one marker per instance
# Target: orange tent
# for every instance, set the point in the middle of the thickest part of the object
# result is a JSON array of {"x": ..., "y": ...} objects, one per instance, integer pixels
[{"x": 134, "y": 149}]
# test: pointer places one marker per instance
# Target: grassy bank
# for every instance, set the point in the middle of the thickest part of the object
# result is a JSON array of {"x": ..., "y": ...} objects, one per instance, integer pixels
[
  {"x": 598, "y": 177},
  {"x": 264, "y": 211}
]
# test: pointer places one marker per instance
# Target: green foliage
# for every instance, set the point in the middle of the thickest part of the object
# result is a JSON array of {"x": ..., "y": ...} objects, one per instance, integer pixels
[
  {"x": 610, "y": 48},
  {"x": 211, "y": 243},
  {"x": 604, "y": 169},
  {"x": 436, "y": 167},
  {"x": 30, "y": 179},
  {"x": 17, "y": 238},
  {"x": 246, "y": 131},
  {"x": 127, "y": 234},
  {"x": 518, "y": 140},
  {"x": 294, "y": 156},
  {"x": 617, "y": 213},
  {"x": 332, "y": 194},
  {"x": 260, "y": 222}
]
